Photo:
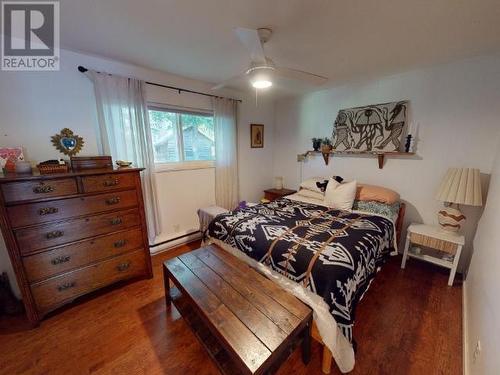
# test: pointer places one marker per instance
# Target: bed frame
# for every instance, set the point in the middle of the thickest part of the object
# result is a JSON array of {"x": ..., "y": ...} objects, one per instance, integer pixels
[{"x": 326, "y": 361}]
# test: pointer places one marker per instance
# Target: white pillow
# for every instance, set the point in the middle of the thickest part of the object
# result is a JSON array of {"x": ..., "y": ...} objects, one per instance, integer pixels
[
  {"x": 340, "y": 196},
  {"x": 310, "y": 184}
]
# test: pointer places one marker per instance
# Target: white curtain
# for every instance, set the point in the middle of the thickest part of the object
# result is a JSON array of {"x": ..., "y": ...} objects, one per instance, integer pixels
[
  {"x": 125, "y": 135},
  {"x": 226, "y": 155}
]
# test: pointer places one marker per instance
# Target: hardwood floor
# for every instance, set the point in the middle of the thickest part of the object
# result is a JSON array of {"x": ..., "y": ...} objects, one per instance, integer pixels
[{"x": 409, "y": 322}]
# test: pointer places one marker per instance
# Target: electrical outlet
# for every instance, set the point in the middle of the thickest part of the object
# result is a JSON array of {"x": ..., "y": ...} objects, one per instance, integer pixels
[
  {"x": 477, "y": 351},
  {"x": 177, "y": 228}
]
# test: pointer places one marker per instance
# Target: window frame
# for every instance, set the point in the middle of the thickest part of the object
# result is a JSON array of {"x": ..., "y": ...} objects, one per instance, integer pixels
[{"x": 181, "y": 164}]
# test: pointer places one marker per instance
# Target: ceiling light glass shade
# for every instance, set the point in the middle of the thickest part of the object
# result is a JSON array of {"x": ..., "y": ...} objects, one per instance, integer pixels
[
  {"x": 261, "y": 77},
  {"x": 262, "y": 84}
]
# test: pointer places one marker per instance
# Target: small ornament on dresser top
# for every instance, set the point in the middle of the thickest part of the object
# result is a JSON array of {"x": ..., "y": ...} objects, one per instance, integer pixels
[
  {"x": 91, "y": 162},
  {"x": 67, "y": 142},
  {"x": 9, "y": 156},
  {"x": 123, "y": 163},
  {"x": 23, "y": 166},
  {"x": 53, "y": 166}
]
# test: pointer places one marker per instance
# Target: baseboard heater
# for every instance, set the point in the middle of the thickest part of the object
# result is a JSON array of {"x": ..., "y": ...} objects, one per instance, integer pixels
[{"x": 173, "y": 239}]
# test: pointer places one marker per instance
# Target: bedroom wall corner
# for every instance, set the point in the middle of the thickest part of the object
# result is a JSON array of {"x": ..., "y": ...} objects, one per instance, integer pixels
[
  {"x": 455, "y": 107},
  {"x": 42, "y": 103}
]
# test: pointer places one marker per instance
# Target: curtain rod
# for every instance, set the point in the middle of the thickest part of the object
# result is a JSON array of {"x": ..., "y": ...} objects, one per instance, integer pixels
[{"x": 82, "y": 69}]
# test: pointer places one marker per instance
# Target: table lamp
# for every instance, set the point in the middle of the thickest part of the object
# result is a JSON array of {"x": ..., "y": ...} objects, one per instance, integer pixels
[{"x": 459, "y": 186}]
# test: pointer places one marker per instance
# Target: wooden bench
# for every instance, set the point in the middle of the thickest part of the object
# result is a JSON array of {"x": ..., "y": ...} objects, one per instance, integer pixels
[{"x": 247, "y": 323}]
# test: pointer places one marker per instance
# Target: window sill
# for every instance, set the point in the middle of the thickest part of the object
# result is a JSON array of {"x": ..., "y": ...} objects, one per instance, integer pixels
[{"x": 183, "y": 166}]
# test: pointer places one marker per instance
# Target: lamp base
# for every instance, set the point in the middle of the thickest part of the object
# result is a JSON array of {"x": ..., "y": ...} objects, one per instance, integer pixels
[{"x": 451, "y": 219}]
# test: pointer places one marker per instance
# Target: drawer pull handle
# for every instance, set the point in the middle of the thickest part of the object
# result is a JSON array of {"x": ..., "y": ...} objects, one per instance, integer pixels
[
  {"x": 114, "y": 200},
  {"x": 60, "y": 259},
  {"x": 65, "y": 286},
  {"x": 43, "y": 189},
  {"x": 116, "y": 221},
  {"x": 54, "y": 234},
  {"x": 119, "y": 243},
  {"x": 111, "y": 182},
  {"x": 47, "y": 211},
  {"x": 123, "y": 267}
]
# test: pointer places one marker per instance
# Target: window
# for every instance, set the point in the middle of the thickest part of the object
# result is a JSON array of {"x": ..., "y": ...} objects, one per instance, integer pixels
[{"x": 180, "y": 136}]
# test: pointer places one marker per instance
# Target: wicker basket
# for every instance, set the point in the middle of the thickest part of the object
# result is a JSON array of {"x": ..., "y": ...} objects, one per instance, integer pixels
[{"x": 52, "y": 168}]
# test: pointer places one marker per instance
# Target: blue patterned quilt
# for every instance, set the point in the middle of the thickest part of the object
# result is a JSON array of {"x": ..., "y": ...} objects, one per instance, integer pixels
[{"x": 333, "y": 253}]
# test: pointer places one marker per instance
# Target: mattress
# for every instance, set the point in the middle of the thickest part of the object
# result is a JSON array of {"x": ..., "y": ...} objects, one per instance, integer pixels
[{"x": 325, "y": 257}]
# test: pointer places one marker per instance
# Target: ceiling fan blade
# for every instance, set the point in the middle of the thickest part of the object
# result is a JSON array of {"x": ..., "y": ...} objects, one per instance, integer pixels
[
  {"x": 218, "y": 86},
  {"x": 227, "y": 82},
  {"x": 312, "y": 79},
  {"x": 250, "y": 39}
]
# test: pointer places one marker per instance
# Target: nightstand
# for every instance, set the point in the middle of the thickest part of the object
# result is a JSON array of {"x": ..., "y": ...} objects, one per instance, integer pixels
[
  {"x": 438, "y": 239},
  {"x": 272, "y": 194}
]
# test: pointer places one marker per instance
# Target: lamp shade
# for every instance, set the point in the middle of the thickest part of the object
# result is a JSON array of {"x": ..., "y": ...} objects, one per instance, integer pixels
[{"x": 461, "y": 186}]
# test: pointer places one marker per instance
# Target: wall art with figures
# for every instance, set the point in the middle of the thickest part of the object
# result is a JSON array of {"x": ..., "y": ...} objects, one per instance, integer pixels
[{"x": 378, "y": 127}]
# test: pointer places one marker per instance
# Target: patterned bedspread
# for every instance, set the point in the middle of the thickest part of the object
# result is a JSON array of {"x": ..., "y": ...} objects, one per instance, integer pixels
[{"x": 333, "y": 253}]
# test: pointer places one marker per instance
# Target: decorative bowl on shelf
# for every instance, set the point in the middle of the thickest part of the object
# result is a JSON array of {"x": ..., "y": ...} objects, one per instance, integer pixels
[{"x": 123, "y": 163}]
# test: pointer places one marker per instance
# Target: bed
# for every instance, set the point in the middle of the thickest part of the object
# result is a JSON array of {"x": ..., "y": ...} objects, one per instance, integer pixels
[{"x": 325, "y": 257}]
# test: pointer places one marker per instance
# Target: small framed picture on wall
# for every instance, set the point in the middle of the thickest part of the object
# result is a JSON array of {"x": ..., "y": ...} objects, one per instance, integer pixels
[{"x": 256, "y": 135}]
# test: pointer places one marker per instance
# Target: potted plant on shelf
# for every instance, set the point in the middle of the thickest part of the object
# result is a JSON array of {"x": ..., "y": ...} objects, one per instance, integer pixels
[
  {"x": 316, "y": 143},
  {"x": 326, "y": 145}
]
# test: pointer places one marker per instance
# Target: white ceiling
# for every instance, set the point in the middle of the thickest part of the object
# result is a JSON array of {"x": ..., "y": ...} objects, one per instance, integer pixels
[{"x": 340, "y": 39}]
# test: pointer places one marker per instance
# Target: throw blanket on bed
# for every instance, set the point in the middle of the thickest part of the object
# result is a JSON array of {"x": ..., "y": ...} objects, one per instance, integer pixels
[{"x": 333, "y": 253}]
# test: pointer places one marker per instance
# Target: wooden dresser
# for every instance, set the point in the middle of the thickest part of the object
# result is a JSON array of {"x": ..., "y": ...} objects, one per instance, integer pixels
[{"x": 69, "y": 234}]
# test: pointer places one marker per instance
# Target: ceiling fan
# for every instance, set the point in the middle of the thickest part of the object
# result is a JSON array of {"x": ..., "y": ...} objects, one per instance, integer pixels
[{"x": 262, "y": 69}]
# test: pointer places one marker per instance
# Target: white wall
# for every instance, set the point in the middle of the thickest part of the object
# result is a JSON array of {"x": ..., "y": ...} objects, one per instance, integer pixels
[
  {"x": 36, "y": 105},
  {"x": 455, "y": 105},
  {"x": 256, "y": 162},
  {"x": 482, "y": 308}
]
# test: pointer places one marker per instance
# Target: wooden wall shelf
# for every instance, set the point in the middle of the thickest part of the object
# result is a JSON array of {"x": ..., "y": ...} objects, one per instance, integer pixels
[{"x": 380, "y": 155}]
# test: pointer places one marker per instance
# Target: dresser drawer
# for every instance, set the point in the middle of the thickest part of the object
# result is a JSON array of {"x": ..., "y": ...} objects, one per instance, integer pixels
[
  {"x": 65, "y": 258},
  {"x": 106, "y": 182},
  {"x": 58, "y": 233},
  {"x": 43, "y": 212},
  {"x": 27, "y": 190},
  {"x": 54, "y": 292}
]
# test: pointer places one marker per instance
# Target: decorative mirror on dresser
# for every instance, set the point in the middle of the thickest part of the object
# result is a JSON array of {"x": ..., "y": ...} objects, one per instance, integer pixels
[{"x": 71, "y": 233}]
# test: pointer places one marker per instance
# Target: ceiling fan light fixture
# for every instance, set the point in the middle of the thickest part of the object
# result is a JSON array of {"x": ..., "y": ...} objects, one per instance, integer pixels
[
  {"x": 263, "y": 72},
  {"x": 261, "y": 77},
  {"x": 262, "y": 84}
]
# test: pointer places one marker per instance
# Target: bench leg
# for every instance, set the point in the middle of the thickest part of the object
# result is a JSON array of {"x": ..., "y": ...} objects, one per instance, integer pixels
[
  {"x": 306, "y": 344},
  {"x": 326, "y": 363},
  {"x": 166, "y": 282}
]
